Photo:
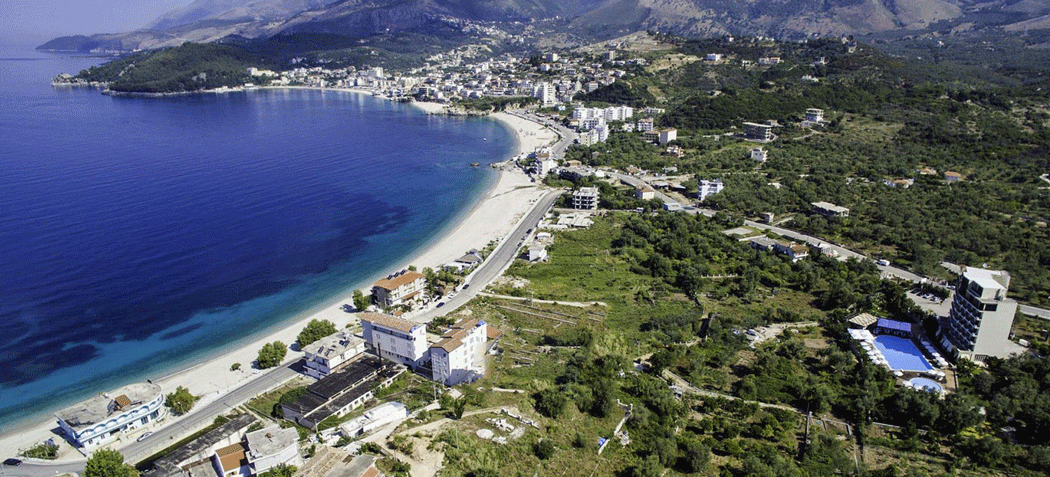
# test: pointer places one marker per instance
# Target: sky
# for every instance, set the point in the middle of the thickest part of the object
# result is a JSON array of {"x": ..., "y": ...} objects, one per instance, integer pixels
[{"x": 36, "y": 21}]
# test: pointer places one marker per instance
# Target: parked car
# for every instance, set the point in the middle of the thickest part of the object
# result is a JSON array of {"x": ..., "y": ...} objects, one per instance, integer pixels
[
  {"x": 12, "y": 462},
  {"x": 144, "y": 436}
]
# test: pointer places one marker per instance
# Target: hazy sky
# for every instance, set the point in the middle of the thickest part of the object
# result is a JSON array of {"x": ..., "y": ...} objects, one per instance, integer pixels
[{"x": 41, "y": 20}]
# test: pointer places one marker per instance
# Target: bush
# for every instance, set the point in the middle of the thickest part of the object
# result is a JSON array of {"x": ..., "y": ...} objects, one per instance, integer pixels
[
  {"x": 550, "y": 402},
  {"x": 544, "y": 449},
  {"x": 108, "y": 463},
  {"x": 272, "y": 354},
  {"x": 42, "y": 451},
  {"x": 235, "y": 366}
]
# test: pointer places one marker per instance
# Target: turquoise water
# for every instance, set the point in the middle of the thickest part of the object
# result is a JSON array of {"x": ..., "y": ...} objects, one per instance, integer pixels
[
  {"x": 926, "y": 384},
  {"x": 902, "y": 353},
  {"x": 140, "y": 236}
]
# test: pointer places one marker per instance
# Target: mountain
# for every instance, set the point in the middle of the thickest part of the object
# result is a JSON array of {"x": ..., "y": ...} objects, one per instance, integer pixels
[{"x": 211, "y": 20}]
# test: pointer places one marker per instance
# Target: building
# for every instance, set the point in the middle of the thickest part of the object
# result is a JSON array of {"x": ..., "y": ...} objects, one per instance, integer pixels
[
  {"x": 763, "y": 244},
  {"x": 537, "y": 252},
  {"x": 652, "y": 111},
  {"x": 342, "y": 391},
  {"x": 978, "y": 324},
  {"x": 769, "y": 60},
  {"x": 398, "y": 288},
  {"x": 708, "y": 188},
  {"x": 375, "y": 418},
  {"x": 668, "y": 135},
  {"x": 231, "y": 461},
  {"x": 644, "y": 192},
  {"x": 793, "y": 251},
  {"x": 460, "y": 355},
  {"x": 270, "y": 447},
  {"x": 585, "y": 199},
  {"x": 106, "y": 417},
  {"x": 330, "y": 352},
  {"x": 395, "y": 339},
  {"x": 758, "y": 132},
  {"x": 952, "y": 176},
  {"x": 827, "y": 209},
  {"x": 645, "y": 125},
  {"x": 547, "y": 94},
  {"x": 713, "y": 57},
  {"x": 759, "y": 154},
  {"x": 466, "y": 262},
  {"x": 197, "y": 457},
  {"x": 814, "y": 115}
]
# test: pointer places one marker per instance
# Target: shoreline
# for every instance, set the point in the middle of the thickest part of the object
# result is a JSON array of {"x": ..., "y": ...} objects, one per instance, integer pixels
[{"x": 497, "y": 209}]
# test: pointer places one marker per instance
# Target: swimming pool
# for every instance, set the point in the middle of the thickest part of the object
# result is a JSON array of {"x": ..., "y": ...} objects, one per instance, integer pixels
[
  {"x": 902, "y": 354},
  {"x": 924, "y": 384}
]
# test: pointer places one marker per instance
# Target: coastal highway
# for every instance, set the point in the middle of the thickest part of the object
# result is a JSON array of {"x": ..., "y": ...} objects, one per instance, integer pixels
[{"x": 497, "y": 261}]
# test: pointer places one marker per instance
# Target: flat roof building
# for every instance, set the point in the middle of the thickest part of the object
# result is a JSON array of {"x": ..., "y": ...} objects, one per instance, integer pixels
[
  {"x": 814, "y": 115},
  {"x": 330, "y": 352},
  {"x": 104, "y": 418},
  {"x": 827, "y": 209},
  {"x": 270, "y": 447},
  {"x": 396, "y": 339},
  {"x": 706, "y": 188},
  {"x": 585, "y": 199},
  {"x": 758, "y": 132},
  {"x": 460, "y": 355},
  {"x": 978, "y": 324},
  {"x": 342, "y": 391}
]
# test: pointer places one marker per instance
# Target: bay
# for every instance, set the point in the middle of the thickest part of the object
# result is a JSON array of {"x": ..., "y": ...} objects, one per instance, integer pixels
[{"x": 138, "y": 236}]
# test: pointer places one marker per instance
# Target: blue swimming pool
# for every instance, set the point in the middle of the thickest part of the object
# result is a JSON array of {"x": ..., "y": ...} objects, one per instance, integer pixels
[
  {"x": 902, "y": 354},
  {"x": 925, "y": 384}
]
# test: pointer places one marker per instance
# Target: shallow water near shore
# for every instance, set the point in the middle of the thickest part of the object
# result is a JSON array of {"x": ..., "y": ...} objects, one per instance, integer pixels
[{"x": 141, "y": 235}]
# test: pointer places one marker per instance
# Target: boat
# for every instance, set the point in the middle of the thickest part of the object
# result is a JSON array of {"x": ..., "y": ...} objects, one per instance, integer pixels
[{"x": 475, "y": 164}]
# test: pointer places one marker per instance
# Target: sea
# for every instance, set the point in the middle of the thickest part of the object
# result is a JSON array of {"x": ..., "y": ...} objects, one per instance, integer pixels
[{"x": 141, "y": 236}]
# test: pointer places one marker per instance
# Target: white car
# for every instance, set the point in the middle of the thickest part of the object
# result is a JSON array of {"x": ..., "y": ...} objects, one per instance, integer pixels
[{"x": 144, "y": 437}]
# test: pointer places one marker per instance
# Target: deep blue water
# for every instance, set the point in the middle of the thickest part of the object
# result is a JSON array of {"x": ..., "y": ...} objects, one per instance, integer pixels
[{"x": 139, "y": 235}]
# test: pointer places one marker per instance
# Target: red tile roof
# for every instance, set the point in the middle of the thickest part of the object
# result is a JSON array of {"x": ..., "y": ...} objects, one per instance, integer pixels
[{"x": 398, "y": 281}]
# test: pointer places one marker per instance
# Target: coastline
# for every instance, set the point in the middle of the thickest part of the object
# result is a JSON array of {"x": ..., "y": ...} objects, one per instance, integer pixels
[{"x": 496, "y": 211}]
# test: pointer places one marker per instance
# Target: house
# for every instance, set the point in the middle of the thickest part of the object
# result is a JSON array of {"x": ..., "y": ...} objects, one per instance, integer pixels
[
  {"x": 108, "y": 416},
  {"x": 645, "y": 125},
  {"x": 769, "y": 60},
  {"x": 398, "y": 340},
  {"x": 672, "y": 206},
  {"x": 537, "y": 252},
  {"x": 827, "y": 209},
  {"x": 675, "y": 151},
  {"x": 197, "y": 457},
  {"x": 759, "y": 154},
  {"x": 644, "y": 192},
  {"x": 375, "y": 418},
  {"x": 952, "y": 176},
  {"x": 758, "y": 132},
  {"x": 708, "y": 188},
  {"x": 713, "y": 57},
  {"x": 794, "y": 251},
  {"x": 668, "y": 135},
  {"x": 399, "y": 288},
  {"x": 586, "y": 198},
  {"x": 231, "y": 461},
  {"x": 270, "y": 447},
  {"x": 330, "y": 352},
  {"x": 814, "y": 115},
  {"x": 466, "y": 262},
  {"x": 342, "y": 391},
  {"x": 764, "y": 244},
  {"x": 460, "y": 355}
]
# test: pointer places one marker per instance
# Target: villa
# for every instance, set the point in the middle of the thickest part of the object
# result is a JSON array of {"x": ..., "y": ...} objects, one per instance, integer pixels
[{"x": 398, "y": 288}]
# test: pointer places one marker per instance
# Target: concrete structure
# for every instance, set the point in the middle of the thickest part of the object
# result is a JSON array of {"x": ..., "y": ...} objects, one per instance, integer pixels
[
  {"x": 814, "y": 115},
  {"x": 395, "y": 339},
  {"x": 978, "y": 325},
  {"x": 713, "y": 57},
  {"x": 793, "y": 251},
  {"x": 231, "y": 461},
  {"x": 585, "y": 199},
  {"x": 342, "y": 391},
  {"x": 330, "y": 352},
  {"x": 537, "y": 252},
  {"x": 758, "y": 132},
  {"x": 764, "y": 244},
  {"x": 644, "y": 192},
  {"x": 708, "y": 188},
  {"x": 270, "y": 447},
  {"x": 466, "y": 262},
  {"x": 547, "y": 94},
  {"x": 668, "y": 135},
  {"x": 759, "y": 154},
  {"x": 104, "y": 418},
  {"x": 827, "y": 209},
  {"x": 375, "y": 418},
  {"x": 188, "y": 458},
  {"x": 645, "y": 125},
  {"x": 952, "y": 176},
  {"x": 460, "y": 355},
  {"x": 398, "y": 288}
]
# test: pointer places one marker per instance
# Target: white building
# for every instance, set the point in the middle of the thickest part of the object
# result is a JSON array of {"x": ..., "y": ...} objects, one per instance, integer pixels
[
  {"x": 537, "y": 252},
  {"x": 398, "y": 288},
  {"x": 708, "y": 188},
  {"x": 375, "y": 418},
  {"x": 827, "y": 209},
  {"x": 395, "y": 339},
  {"x": 759, "y": 154},
  {"x": 586, "y": 198},
  {"x": 328, "y": 353},
  {"x": 460, "y": 355},
  {"x": 546, "y": 94},
  {"x": 814, "y": 115},
  {"x": 713, "y": 57},
  {"x": 978, "y": 325},
  {"x": 108, "y": 416},
  {"x": 645, "y": 125},
  {"x": 668, "y": 135},
  {"x": 758, "y": 132},
  {"x": 267, "y": 448}
]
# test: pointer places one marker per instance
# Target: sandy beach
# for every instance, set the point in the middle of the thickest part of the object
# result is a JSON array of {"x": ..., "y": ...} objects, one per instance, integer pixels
[{"x": 494, "y": 216}]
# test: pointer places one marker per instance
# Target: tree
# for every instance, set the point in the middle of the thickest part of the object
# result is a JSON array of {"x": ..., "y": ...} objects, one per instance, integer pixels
[
  {"x": 314, "y": 331},
  {"x": 235, "y": 366},
  {"x": 108, "y": 463},
  {"x": 180, "y": 401},
  {"x": 272, "y": 354},
  {"x": 550, "y": 402},
  {"x": 544, "y": 449},
  {"x": 360, "y": 300},
  {"x": 280, "y": 470}
]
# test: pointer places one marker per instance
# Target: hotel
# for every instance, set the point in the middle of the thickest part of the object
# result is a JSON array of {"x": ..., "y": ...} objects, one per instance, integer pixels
[
  {"x": 978, "y": 325},
  {"x": 104, "y": 418},
  {"x": 460, "y": 355}
]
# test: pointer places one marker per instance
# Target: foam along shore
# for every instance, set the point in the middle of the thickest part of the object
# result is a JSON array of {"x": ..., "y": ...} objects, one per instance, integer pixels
[{"x": 494, "y": 216}]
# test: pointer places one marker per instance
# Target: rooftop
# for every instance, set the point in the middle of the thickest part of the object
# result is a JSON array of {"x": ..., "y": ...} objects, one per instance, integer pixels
[
  {"x": 388, "y": 321},
  {"x": 232, "y": 456},
  {"x": 453, "y": 338},
  {"x": 829, "y": 206},
  {"x": 169, "y": 464},
  {"x": 393, "y": 283},
  {"x": 271, "y": 440},
  {"x": 987, "y": 279},
  {"x": 101, "y": 407},
  {"x": 334, "y": 345}
]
